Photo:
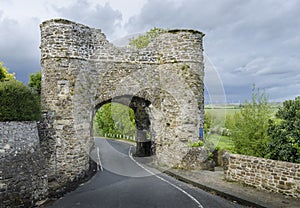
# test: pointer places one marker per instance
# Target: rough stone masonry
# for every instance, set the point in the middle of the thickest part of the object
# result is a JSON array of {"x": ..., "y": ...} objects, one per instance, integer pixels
[
  {"x": 23, "y": 179},
  {"x": 269, "y": 175},
  {"x": 82, "y": 70}
]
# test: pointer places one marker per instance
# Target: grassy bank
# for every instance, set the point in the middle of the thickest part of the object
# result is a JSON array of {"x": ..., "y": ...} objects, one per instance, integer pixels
[{"x": 220, "y": 142}]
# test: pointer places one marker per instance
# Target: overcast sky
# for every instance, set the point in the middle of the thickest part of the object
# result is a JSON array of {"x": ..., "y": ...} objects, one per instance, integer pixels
[{"x": 247, "y": 41}]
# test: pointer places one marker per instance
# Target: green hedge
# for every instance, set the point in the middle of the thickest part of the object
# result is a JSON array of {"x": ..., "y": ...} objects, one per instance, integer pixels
[{"x": 18, "y": 102}]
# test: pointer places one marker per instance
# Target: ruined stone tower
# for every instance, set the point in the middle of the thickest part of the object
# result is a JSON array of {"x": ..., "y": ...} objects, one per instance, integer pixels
[{"x": 81, "y": 71}]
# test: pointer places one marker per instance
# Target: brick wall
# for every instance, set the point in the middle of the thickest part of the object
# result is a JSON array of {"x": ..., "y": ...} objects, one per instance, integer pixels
[{"x": 270, "y": 175}]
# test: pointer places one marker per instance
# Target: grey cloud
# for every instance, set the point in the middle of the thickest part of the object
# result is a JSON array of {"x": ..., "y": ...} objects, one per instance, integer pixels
[
  {"x": 19, "y": 47},
  {"x": 102, "y": 17},
  {"x": 20, "y": 39},
  {"x": 247, "y": 41},
  {"x": 198, "y": 14}
]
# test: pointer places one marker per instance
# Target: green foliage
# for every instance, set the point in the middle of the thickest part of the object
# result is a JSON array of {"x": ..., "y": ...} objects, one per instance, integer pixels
[
  {"x": 285, "y": 133},
  {"x": 4, "y": 75},
  {"x": 35, "y": 82},
  {"x": 18, "y": 102},
  {"x": 115, "y": 118},
  {"x": 143, "y": 40},
  {"x": 221, "y": 142},
  {"x": 207, "y": 122},
  {"x": 196, "y": 144},
  {"x": 249, "y": 127}
]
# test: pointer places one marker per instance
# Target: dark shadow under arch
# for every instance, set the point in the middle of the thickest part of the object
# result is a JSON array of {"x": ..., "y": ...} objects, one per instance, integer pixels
[{"x": 145, "y": 146}]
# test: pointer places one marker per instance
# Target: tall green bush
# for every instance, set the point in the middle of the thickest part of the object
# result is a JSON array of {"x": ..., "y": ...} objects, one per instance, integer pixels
[
  {"x": 249, "y": 127},
  {"x": 285, "y": 133},
  {"x": 18, "y": 102}
]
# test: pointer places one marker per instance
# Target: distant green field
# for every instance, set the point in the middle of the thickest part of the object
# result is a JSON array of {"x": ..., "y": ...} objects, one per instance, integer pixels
[
  {"x": 219, "y": 113},
  {"x": 221, "y": 142}
]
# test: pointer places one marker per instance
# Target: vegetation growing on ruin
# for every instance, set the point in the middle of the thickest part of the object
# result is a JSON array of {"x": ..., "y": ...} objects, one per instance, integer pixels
[{"x": 143, "y": 41}]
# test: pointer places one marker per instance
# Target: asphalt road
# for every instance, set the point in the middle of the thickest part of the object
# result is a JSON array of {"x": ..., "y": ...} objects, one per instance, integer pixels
[{"x": 125, "y": 183}]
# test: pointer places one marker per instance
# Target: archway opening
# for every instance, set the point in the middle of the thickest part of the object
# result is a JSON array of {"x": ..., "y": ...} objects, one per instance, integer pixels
[
  {"x": 115, "y": 120},
  {"x": 119, "y": 118}
]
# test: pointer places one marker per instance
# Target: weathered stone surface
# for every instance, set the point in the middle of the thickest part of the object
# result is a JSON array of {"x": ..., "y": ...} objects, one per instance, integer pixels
[
  {"x": 198, "y": 158},
  {"x": 81, "y": 71},
  {"x": 265, "y": 174},
  {"x": 23, "y": 179}
]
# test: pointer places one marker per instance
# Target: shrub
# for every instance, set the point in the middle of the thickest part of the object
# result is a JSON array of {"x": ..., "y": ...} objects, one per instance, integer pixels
[
  {"x": 18, "y": 102},
  {"x": 249, "y": 127},
  {"x": 35, "y": 82},
  {"x": 285, "y": 133}
]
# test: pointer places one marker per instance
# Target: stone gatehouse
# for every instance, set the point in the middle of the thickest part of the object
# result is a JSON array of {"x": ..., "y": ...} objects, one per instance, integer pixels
[{"x": 82, "y": 70}]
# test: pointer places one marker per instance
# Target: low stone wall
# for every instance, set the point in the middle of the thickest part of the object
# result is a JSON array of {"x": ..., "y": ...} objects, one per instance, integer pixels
[
  {"x": 23, "y": 179},
  {"x": 197, "y": 158},
  {"x": 270, "y": 175}
]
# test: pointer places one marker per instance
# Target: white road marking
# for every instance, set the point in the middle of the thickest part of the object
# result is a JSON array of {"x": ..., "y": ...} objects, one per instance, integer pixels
[
  {"x": 164, "y": 180},
  {"x": 99, "y": 161}
]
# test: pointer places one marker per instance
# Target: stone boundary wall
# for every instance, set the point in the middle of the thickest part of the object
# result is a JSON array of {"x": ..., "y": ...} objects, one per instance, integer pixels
[
  {"x": 270, "y": 175},
  {"x": 23, "y": 179}
]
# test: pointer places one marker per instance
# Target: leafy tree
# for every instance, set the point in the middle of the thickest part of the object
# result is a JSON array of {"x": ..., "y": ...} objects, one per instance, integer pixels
[
  {"x": 115, "y": 118},
  {"x": 18, "y": 102},
  {"x": 249, "y": 127},
  {"x": 143, "y": 40},
  {"x": 285, "y": 133},
  {"x": 4, "y": 75},
  {"x": 35, "y": 82}
]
